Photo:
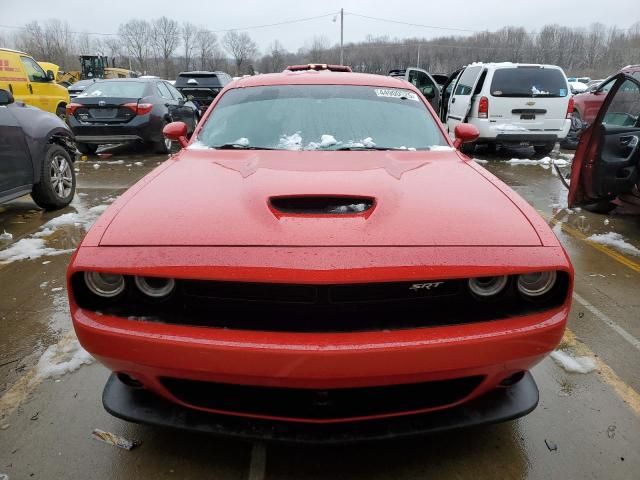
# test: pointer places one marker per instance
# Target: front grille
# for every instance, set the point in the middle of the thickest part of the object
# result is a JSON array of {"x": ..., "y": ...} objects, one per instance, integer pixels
[
  {"x": 321, "y": 404},
  {"x": 319, "y": 308}
]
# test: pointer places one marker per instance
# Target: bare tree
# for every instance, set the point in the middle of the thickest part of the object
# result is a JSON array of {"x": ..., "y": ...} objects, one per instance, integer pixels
[
  {"x": 136, "y": 39},
  {"x": 188, "y": 33},
  {"x": 52, "y": 42},
  {"x": 205, "y": 46},
  {"x": 165, "y": 39},
  {"x": 318, "y": 49},
  {"x": 241, "y": 48}
]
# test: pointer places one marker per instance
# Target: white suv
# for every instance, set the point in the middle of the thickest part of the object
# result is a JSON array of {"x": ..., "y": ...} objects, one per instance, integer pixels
[{"x": 510, "y": 103}]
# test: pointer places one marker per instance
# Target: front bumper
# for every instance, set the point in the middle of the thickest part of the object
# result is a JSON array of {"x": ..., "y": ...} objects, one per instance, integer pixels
[{"x": 142, "y": 406}]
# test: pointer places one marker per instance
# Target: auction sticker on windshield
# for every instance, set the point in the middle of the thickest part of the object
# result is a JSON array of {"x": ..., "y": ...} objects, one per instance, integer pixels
[{"x": 396, "y": 93}]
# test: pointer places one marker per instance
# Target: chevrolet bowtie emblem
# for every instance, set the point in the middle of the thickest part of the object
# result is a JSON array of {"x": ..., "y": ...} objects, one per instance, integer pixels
[{"x": 531, "y": 104}]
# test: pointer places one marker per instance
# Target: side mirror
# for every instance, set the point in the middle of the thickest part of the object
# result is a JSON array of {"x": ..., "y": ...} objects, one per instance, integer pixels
[
  {"x": 465, "y": 133},
  {"x": 176, "y": 132},
  {"x": 6, "y": 97},
  {"x": 50, "y": 75},
  {"x": 428, "y": 92}
]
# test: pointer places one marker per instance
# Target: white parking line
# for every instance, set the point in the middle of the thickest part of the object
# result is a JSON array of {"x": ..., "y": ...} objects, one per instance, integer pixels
[
  {"x": 258, "y": 461},
  {"x": 607, "y": 321}
]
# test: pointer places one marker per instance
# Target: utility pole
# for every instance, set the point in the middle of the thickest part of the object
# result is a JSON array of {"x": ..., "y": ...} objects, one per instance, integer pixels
[
  {"x": 418, "y": 62},
  {"x": 342, "y": 36}
]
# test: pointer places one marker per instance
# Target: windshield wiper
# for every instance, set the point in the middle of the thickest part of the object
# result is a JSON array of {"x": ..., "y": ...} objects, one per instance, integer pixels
[
  {"x": 239, "y": 146},
  {"x": 367, "y": 148}
]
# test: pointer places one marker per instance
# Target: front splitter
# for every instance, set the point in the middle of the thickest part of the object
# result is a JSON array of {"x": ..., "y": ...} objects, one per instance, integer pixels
[{"x": 141, "y": 406}]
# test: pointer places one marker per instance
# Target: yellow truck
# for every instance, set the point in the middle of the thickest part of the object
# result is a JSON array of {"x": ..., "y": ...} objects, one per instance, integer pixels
[{"x": 21, "y": 75}]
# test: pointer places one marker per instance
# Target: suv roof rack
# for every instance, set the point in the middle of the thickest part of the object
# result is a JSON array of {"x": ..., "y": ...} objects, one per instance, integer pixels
[{"x": 319, "y": 67}]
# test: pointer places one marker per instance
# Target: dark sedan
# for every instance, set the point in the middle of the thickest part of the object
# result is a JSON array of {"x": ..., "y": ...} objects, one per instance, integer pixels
[
  {"x": 128, "y": 110},
  {"x": 36, "y": 155}
]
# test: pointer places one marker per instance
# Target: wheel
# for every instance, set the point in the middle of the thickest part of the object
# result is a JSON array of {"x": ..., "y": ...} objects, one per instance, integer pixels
[
  {"x": 87, "y": 148},
  {"x": 61, "y": 112},
  {"x": 603, "y": 206},
  {"x": 468, "y": 148},
  {"x": 164, "y": 145},
  {"x": 57, "y": 180},
  {"x": 544, "y": 149},
  {"x": 492, "y": 147}
]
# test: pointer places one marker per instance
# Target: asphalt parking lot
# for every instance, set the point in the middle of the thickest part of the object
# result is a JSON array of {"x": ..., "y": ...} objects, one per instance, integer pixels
[{"x": 587, "y": 425}]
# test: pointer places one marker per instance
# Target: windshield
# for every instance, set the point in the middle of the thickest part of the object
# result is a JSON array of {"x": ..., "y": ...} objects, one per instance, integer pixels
[
  {"x": 321, "y": 117},
  {"x": 529, "y": 82},
  {"x": 115, "y": 89}
]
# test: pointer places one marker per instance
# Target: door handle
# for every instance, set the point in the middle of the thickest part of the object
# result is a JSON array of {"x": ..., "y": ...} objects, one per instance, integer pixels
[
  {"x": 30, "y": 88},
  {"x": 453, "y": 100},
  {"x": 629, "y": 141}
]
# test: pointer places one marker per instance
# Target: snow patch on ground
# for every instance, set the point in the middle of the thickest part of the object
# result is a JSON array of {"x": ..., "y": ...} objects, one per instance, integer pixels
[
  {"x": 546, "y": 161},
  {"x": 615, "y": 240},
  {"x": 29, "y": 248},
  {"x": 63, "y": 357},
  {"x": 6, "y": 236},
  {"x": 574, "y": 364},
  {"x": 480, "y": 160}
]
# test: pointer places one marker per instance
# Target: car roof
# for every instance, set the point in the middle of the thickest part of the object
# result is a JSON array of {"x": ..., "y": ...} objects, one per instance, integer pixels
[
  {"x": 631, "y": 68},
  {"x": 12, "y": 51},
  {"x": 201, "y": 72},
  {"x": 138, "y": 80},
  {"x": 511, "y": 65},
  {"x": 322, "y": 77}
]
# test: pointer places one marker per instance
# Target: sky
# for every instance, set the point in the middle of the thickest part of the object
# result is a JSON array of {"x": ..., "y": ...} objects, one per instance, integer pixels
[{"x": 217, "y": 15}]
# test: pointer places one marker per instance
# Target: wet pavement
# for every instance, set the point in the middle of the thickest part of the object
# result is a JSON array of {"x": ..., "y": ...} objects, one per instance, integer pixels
[{"x": 586, "y": 426}]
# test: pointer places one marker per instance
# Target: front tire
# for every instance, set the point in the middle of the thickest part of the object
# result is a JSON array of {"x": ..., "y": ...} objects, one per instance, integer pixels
[
  {"x": 57, "y": 180},
  {"x": 602, "y": 207},
  {"x": 87, "y": 148},
  {"x": 544, "y": 149}
]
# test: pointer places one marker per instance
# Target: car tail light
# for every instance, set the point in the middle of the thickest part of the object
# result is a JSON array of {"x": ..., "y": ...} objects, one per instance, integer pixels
[
  {"x": 139, "y": 108},
  {"x": 483, "y": 108},
  {"x": 570, "y": 107},
  {"x": 72, "y": 107}
]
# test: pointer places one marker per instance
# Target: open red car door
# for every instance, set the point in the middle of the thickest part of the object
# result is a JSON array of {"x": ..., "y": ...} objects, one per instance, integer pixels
[{"x": 607, "y": 160}]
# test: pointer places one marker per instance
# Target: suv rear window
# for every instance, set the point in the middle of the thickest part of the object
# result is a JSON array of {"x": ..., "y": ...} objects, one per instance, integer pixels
[
  {"x": 205, "y": 80},
  {"x": 529, "y": 82}
]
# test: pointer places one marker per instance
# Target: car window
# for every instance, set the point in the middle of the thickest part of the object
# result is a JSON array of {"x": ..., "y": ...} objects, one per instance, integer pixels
[
  {"x": 422, "y": 82},
  {"x": 467, "y": 80},
  {"x": 624, "y": 109},
  {"x": 176, "y": 94},
  {"x": 313, "y": 117},
  {"x": 163, "y": 91},
  {"x": 34, "y": 71},
  {"x": 607, "y": 86},
  {"x": 116, "y": 88},
  {"x": 529, "y": 82}
]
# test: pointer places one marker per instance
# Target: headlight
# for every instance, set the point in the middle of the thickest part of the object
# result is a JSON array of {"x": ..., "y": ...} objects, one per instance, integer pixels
[
  {"x": 536, "y": 284},
  {"x": 106, "y": 285},
  {"x": 485, "y": 287},
  {"x": 155, "y": 287}
]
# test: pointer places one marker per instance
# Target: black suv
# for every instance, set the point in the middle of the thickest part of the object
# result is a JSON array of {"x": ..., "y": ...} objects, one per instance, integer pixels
[{"x": 201, "y": 87}]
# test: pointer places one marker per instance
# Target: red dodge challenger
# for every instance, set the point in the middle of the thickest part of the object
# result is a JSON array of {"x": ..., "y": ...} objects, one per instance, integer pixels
[{"x": 320, "y": 264}]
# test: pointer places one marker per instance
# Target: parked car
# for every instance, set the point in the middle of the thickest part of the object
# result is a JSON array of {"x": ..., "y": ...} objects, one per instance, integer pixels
[
  {"x": 302, "y": 271},
  {"x": 77, "y": 88},
  {"x": 201, "y": 87},
  {"x": 423, "y": 81},
  {"x": 587, "y": 104},
  {"x": 37, "y": 155},
  {"x": 128, "y": 110},
  {"x": 577, "y": 87},
  {"x": 25, "y": 79},
  {"x": 607, "y": 162},
  {"x": 511, "y": 104}
]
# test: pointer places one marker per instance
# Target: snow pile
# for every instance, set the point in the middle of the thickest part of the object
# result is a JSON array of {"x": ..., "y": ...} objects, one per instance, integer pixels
[
  {"x": 441, "y": 148},
  {"x": 138, "y": 164},
  {"x": 480, "y": 160},
  {"x": 364, "y": 143},
  {"x": 63, "y": 357},
  {"x": 574, "y": 364},
  {"x": 561, "y": 162},
  {"x": 6, "y": 236},
  {"x": 616, "y": 241},
  {"x": 325, "y": 142},
  {"x": 507, "y": 127},
  {"x": 353, "y": 208},
  {"x": 198, "y": 145},
  {"x": 291, "y": 142},
  {"x": 29, "y": 248},
  {"x": 242, "y": 142}
]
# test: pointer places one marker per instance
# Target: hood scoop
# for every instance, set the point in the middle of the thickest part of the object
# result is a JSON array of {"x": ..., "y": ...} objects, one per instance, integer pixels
[{"x": 321, "y": 205}]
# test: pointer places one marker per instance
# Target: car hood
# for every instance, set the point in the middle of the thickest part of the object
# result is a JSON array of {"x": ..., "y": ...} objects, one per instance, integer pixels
[{"x": 223, "y": 198}]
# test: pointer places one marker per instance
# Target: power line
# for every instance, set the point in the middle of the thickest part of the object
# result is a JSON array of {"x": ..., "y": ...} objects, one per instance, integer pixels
[
  {"x": 400, "y": 22},
  {"x": 252, "y": 27}
]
